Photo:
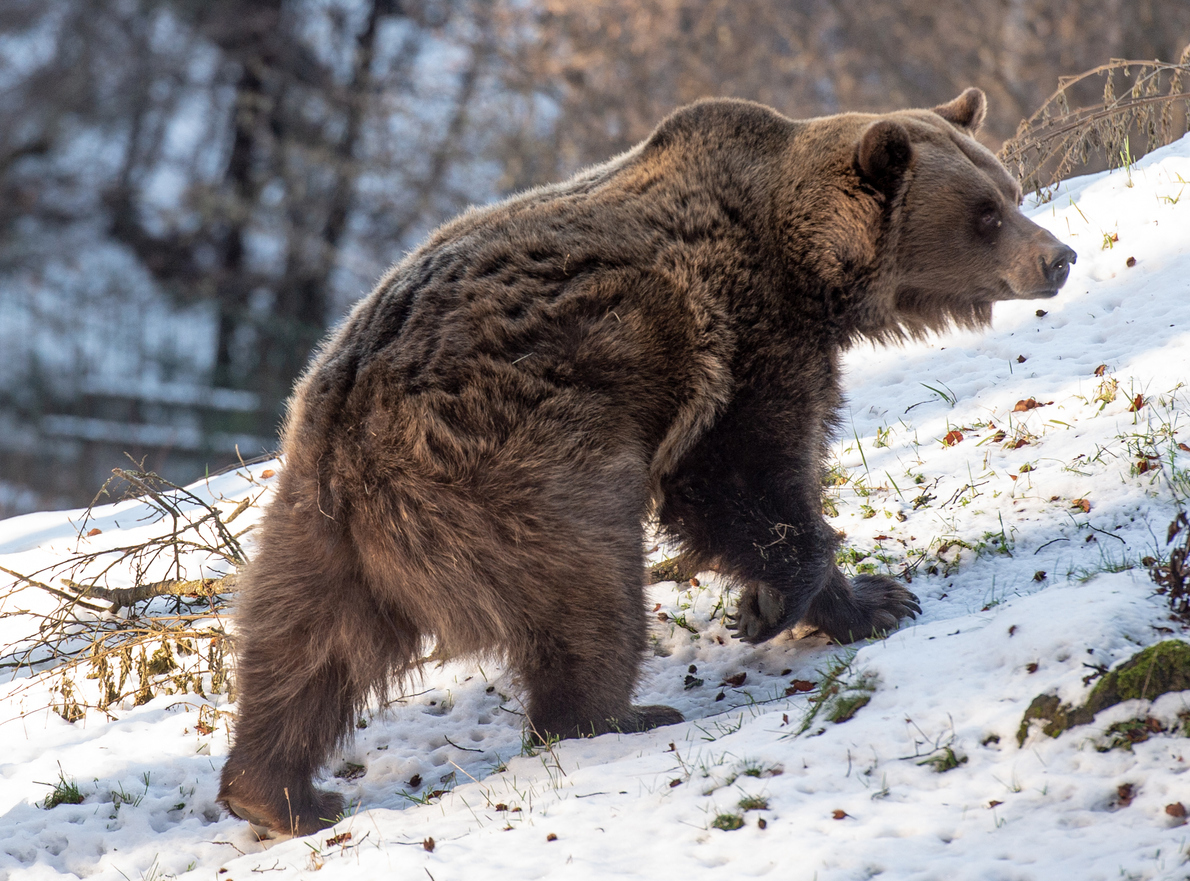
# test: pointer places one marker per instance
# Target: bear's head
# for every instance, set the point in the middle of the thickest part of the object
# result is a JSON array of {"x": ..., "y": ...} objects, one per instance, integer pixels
[{"x": 955, "y": 240}]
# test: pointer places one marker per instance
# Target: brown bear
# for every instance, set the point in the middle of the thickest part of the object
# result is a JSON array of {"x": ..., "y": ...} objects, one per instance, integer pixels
[{"x": 471, "y": 455}]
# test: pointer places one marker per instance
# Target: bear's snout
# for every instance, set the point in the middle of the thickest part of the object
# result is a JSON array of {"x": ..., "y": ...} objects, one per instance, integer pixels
[{"x": 1056, "y": 267}]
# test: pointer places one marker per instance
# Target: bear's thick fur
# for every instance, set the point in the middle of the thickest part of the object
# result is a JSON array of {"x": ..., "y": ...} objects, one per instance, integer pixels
[{"x": 471, "y": 455}]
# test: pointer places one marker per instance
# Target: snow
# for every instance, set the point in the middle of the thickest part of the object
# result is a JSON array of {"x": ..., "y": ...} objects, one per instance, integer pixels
[{"x": 1026, "y": 558}]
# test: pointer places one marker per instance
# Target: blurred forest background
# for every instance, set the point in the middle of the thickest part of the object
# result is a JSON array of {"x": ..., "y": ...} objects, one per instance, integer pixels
[{"x": 192, "y": 191}]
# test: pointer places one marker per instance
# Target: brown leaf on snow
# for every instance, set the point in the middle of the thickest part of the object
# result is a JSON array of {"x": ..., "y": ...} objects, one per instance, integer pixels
[
  {"x": 1100, "y": 370},
  {"x": 735, "y": 681},
  {"x": 1021, "y": 359},
  {"x": 95, "y": 531},
  {"x": 953, "y": 437},
  {"x": 839, "y": 815},
  {"x": 1025, "y": 405},
  {"x": 1124, "y": 794},
  {"x": 428, "y": 844},
  {"x": 994, "y": 802},
  {"x": 1177, "y": 809},
  {"x": 267, "y": 473},
  {"x": 1184, "y": 448},
  {"x": 798, "y": 685},
  {"x": 1137, "y": 403},
  {"x": 341, "y": 838},
  {"x": 1082, "y": 504}
]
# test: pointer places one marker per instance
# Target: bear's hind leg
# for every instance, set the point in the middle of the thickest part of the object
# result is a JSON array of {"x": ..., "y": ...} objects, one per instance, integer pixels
[
  {"x": 580, "y": 656},
  {"x": 313, "y": 644}
]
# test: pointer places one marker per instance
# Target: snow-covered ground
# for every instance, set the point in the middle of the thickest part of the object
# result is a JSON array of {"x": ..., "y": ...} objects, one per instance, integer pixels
[{"x": 1023, "y": 537}]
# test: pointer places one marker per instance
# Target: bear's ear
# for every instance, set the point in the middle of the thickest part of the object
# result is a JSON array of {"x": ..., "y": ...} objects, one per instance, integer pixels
[
  {"x": 966, "y": 111},
  {"x": 884, "y": 153}
]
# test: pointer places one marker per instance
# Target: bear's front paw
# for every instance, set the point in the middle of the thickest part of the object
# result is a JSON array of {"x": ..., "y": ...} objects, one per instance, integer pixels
[
  {"x": 882, "y": 602},
  {"x": 760, "y": 615},
  {"x": 889, "y": 601}
]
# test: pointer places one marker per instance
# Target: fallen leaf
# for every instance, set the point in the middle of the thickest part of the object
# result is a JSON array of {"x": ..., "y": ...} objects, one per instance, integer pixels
[
  {"x": 1137, "y": 403},
  {"x": 415, "y": 781},
  {"x": 761, "y": 823},
  {"x": 1124, "y": 795},
  {"x": 341, "y": 838},
  {"x": 1177, "y": 809},
  {"x": 1130, "y": 262},
  {"x": 839, "y": 815},
  {"x": 994, "y": 802},
  {"x": 267, "y": 473},
  {"x": 428, "y": 844},
  {"x": 802, "y": 685},
  {"x": 1032, "y": 667},
  {"x": 694, "y": 582},
  {"x": 1184, "y": 448},
  {"x": 953, "y": 437},
  {"x": 1100, "y": 370},
  {"x": 1041, "y": 313},
  {"x": 1082, "y": 504},
  {"x": 551, "y": 837},
  {"x": 735, "y": 681},
  {"x": 1025, "y": 405},
  {"x": 95, "y": 531},
  {"x": 657, "y": 608},
  {"x": 1021, "y": 359}
]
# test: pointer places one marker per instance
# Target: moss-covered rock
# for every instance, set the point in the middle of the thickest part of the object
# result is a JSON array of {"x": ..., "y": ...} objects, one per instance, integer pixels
[{"x": 1155, "y": 671}]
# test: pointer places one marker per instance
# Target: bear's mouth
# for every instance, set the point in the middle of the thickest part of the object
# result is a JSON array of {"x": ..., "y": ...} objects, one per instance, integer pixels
[{"x": 1009, "y": 291}]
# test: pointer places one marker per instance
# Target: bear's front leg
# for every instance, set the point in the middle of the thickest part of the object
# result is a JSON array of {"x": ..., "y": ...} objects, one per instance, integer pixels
[{"x": 753, "y": 511}]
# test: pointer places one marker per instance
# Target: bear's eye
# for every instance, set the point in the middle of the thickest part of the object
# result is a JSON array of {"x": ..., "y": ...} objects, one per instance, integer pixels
[{"x": 990, "y": 220}]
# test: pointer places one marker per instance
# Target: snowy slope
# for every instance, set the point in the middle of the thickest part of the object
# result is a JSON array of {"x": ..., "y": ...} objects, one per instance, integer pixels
[{"x": 1023, "y": 540}]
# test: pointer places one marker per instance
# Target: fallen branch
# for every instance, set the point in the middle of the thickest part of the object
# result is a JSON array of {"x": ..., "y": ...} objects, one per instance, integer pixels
[{"x": 122, "y": 597}]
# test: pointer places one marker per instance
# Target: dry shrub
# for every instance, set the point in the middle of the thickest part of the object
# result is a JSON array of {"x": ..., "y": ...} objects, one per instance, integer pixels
[
  {"x": 105, "y": 645},
  {"x": 1143, "y": 105}
]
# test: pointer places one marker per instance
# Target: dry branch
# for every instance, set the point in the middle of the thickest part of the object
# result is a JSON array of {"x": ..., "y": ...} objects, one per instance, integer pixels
[{"x": 124, "y": 597}]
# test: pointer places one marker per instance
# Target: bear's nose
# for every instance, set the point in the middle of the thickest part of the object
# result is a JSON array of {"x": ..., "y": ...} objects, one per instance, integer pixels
[{"x": 1057, "y": 269}]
